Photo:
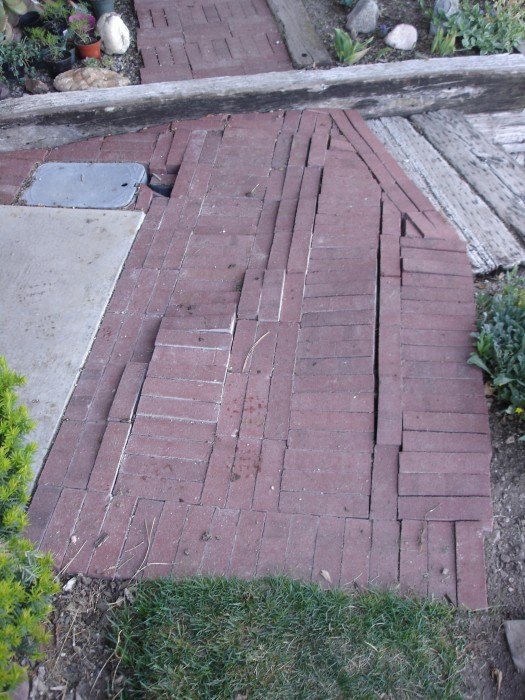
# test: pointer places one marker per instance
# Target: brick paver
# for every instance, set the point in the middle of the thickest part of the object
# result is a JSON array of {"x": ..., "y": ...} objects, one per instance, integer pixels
[{"x": 279, "y": 382}]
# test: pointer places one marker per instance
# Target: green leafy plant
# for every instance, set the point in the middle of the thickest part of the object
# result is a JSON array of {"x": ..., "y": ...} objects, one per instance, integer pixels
[
  {"x": 83, "y": 29},
  {"x": 490, "y": 27},
  {"x": 18, "y": 57},
  {"x": 55, "y": 14},
  {"x": 26, "y": 575},
  {"x": 349, "y": 50},
  {"x": 444, "y": 43},
  {"x": 48, "y": 44},
  {"x": 500, "y": 342}
]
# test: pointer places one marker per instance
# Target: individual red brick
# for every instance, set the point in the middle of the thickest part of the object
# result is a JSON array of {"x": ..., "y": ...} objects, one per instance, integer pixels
[
  {"x": 337, "y": 318},
  {"x": 262, "y": 355},
  {"x": 356, "y": 302},
  {"x": 255, "y": 406},
  {"x": 284, "y": 359},
  {"x": 279, "y": 399},
  {"x": 384, "y": 553},
  {"x": 62, "y": 523},
  {"x": 178, "y": 408},
  {"x": 445, "y": 508},
  {"x": 219, "y": 472},
  {"x": 420, "y": 353},
  {"x": 230, "y": 415},
  {"x": 244, "y": 472},
  {"x": 105, "y": 340},
  {"x": 356, "y": 552},
  {"x": 159, "y": 489},
  {"x": 330, "y": 440},
  {"x": 250, "y": 295},
  {"x": 301, "y": 546},
  {"x": 246, "y": 545},
  {"x": 167, "y": 447},
  {"x": 332, "y": 420},
  {"x": 448, "y": 422},
  {"x": 292, "y": 297},
  {"x": 443, "y": 463},
  {"x": 198, "y": 431},
  {"x": 328, "y": 551},
  {"x": 111, "y": 536},
  {"x": 243, "y": 341},
  {"x": 442, "y": 561},
  {"x": 109, "y": 456},
  {"x": 383, "y": 504},
  {"x": 390, "y": 218},
  {"x": 126, "y": 396},
  {"x": 470, "y": 563},
  {"x": 218, "y": 547},
  {"x": 86, "y": 529},
  {"x": 139, "y": 538},
  {"x": 165, "y": 467},
  {"x": 437, "y": 369},
  {"x": 82, "y": 462},
  {"x": 324, "y": 394},
  {"x": 171, "y": 369},
  {"x": 353, "y": 505},
  {"x": 40, "y": 511},
  {"x": 272, "y": 554},
  {"x": 268, "y": 479},
  {"x": 334, "y": 365},
  {"x": 447, "y": 243},
  {"x": 420, "y": 279},
  {"x": 389, "y": 416},
  {"x": 62, "y": 452},
  {"x": 165, "y": 540},
  {"x": 425, "y": 441},
  {"x": 413, "y": 560},
  {"x": 436, "y": 338},
  {"x": 438, "y": 322},
  {"x": 192, "y": 541},
  {"x": 466, "y": 397},
  {"x": 430, "y": 484}
]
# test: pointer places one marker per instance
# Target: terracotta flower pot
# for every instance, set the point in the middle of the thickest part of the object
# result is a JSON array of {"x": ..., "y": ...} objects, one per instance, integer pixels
[{"x": 89, "y": 50}]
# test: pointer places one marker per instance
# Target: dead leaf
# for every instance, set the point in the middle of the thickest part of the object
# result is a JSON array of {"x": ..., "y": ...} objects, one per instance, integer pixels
[
  {"x": 497, "y": 677},
  {"x": 489, "y": 391},
  {"x": 326, "y": 575}
]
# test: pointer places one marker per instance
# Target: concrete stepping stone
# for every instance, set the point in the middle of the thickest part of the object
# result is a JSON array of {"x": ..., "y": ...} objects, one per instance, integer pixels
[
  {"x": 59, "y": 267},
  {"x": 85, "y": 185}
]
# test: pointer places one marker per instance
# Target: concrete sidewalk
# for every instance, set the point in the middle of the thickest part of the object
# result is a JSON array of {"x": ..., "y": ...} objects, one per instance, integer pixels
[{"x": 280, "y": 379}]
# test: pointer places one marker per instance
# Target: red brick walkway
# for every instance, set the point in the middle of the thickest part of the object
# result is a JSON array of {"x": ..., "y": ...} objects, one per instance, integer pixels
[
  {"x": 280, "y": 380},
  {"x": 207, "y": 38}
]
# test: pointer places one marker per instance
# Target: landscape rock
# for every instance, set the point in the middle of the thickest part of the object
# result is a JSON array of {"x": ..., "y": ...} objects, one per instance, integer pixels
[
  {"x": 363, "y": 18},
  {"x": 445, "y": 8},
  {"x": 515, "y": 633},
  {"x": 88, "y": 78},
  {"x": 402, "y": 37},
  {"x": 114, "y": 33},
  {"x": 35, "y": 87}
]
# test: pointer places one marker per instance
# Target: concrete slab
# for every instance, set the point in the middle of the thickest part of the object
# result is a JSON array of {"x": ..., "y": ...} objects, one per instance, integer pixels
[
  {"x": 85, "y": 185},
  {"x": 515, "y": 633},
  {"x": 58, "y": 270}
]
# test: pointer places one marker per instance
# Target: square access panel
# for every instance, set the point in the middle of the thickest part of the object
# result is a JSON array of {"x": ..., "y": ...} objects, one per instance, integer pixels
[{"x": 85, "y": 185}]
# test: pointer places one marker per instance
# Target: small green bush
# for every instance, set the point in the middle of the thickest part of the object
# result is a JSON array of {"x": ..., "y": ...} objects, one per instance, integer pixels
[
  {"x": 349, "y": 50},
  {"x": 490, "y": 27},
  {"x": 26, "y": 576},
  {"x": 500, "y": 342}
]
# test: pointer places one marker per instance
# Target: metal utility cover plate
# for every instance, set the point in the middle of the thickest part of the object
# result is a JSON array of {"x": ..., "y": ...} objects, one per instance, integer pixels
[
  {"x": 85, "y": 185},
  {"x": 58, "y": 269}
]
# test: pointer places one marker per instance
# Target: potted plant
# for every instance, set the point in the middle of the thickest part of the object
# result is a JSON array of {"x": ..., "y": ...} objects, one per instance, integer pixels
[
  {"x": 100, "y": 7},
  {"x": 54, "y": 16},
  {"x": 86, "y": 40},
  {"x": 53, "y": 51},
  {"x": 17, "y": 59}
]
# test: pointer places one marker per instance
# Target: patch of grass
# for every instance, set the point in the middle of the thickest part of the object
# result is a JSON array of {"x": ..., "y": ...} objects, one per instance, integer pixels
[{"x": 278, "y": 639}]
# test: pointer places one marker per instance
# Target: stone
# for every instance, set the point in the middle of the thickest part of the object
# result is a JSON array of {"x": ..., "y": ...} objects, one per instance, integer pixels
[
  {"x": 402, "y": 37},
  {"x": 114, "y": 33},
  {"x": 363, "y": 18},
  {"x": 515, "y": 633},
  {"x": 442, "y": 8},
  {"x": 35, "y": 86},
  {"x": 88, "y": 78}
]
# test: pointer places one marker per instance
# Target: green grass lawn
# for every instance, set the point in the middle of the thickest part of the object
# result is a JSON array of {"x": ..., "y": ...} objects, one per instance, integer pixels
[{"x": 278, "y": 639}]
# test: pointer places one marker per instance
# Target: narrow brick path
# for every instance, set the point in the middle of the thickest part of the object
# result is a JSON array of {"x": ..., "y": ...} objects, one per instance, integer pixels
[
  {"x": 207, "y": 38},
  {"x": 280, "y": 380}
]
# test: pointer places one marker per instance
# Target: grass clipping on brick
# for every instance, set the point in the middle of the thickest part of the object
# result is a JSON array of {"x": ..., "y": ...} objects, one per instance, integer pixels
[{"x": 277, "y": 639}]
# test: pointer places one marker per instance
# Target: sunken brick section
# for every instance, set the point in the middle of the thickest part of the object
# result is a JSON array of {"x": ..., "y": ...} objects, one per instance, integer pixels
[
  {"x": 206, "y": 39},
  {"x": 280, "y": 381}
]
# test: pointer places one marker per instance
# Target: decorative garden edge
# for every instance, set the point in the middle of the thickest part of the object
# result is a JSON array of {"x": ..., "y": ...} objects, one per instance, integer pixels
[{"x": 470, "y": 84}]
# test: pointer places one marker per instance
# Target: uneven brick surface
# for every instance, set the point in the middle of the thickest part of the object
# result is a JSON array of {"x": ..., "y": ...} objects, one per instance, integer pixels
[
  {"x": 279, "y": 382},
  {"x": 207, "y": 38}
]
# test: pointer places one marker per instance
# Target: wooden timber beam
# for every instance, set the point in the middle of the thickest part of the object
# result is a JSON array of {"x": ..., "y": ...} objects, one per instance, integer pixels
[{"x": 470, "y": 84}]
